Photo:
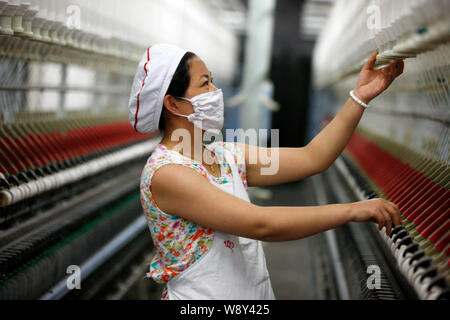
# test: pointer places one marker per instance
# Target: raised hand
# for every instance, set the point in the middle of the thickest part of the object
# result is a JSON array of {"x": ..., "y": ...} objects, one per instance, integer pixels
[{"x": 372, "y": 82}]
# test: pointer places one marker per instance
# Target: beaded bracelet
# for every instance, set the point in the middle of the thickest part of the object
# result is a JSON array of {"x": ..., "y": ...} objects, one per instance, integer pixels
[{"x": 357, "y": 100}]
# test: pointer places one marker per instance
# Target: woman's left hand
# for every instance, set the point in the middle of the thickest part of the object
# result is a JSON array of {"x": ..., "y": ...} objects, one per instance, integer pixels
[{"x": 372, "y": 82}]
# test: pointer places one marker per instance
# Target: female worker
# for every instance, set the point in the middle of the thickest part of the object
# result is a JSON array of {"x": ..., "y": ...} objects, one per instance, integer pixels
[{"x": 206, "y": 232}]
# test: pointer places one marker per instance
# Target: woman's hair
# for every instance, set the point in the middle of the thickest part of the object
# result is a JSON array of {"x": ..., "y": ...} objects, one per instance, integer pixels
[{"x": 179, "y": 84}]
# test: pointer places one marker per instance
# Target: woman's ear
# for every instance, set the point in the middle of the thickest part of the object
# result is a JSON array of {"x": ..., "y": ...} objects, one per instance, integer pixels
[{"x": 170, "y": 104}]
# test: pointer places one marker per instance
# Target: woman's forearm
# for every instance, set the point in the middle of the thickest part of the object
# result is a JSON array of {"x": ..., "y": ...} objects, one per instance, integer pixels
[
  {"x": 326, "y": 147},
  {"x": 293, "y": 223},
  {"x": 330, "y": 143}
]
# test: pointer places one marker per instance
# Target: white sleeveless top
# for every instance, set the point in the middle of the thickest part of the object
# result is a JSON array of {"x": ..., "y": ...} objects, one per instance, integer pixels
[{"x": 234, "y": 268}]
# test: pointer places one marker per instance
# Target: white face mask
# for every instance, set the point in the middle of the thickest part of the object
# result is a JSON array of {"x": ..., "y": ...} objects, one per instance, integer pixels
[{"x": 208, "y": 111}]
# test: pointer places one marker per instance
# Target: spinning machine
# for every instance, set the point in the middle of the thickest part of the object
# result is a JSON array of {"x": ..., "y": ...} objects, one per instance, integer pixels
[
  {"x": 70, "y": 162},
  {"x": 401, "y": 149}
]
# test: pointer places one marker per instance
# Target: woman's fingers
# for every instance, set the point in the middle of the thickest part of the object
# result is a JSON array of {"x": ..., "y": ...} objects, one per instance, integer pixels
[
  {"x": 392, "y": 216},
  {"x": 387, "y": 221},
  {"x": 371, "y": 62},
  {"x": 394, "y": 69},
  {"x": 381, "y": 219},
  {"x": 388, "y": 72},
  {"x": 399, "y": 67},
  {"x": 395, "y": 213},
  {"x": 382, "y": 212},
  {"x": 386, "y": 215}
]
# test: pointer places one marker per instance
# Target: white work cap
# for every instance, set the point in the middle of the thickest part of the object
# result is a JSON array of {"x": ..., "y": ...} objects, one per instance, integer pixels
[{"x": 150, "y": 85}]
